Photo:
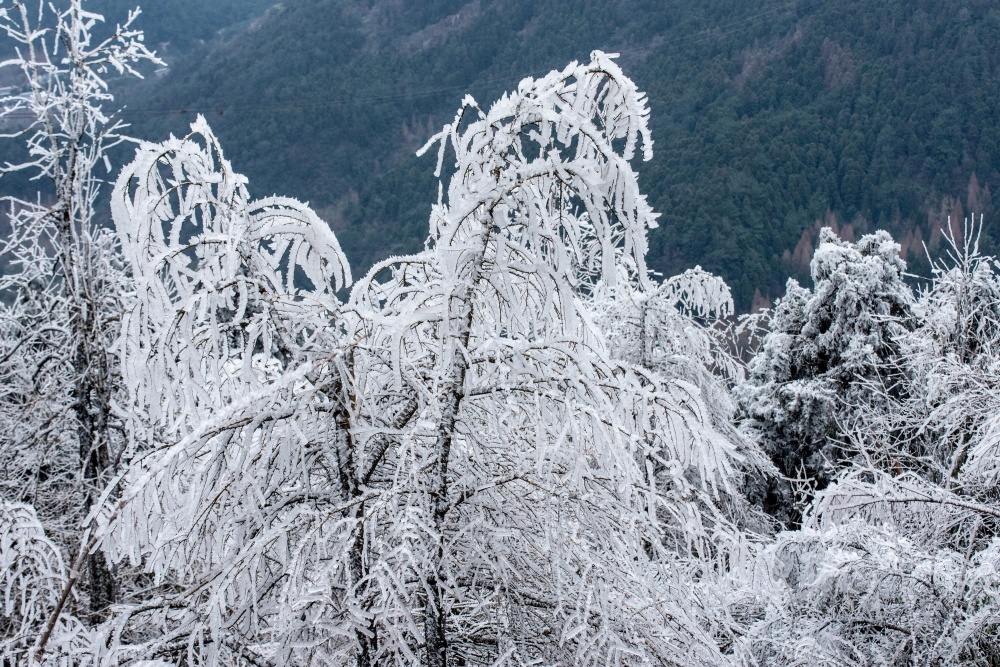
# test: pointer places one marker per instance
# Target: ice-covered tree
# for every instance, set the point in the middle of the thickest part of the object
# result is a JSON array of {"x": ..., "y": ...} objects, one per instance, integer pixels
[
  {"x": 63, "y": 285},
  {"x": 452, "y": 466},
  {"x": 543, "y": 211},
  {"x": 896, "y": 561},
  {"x": 830, "y": 351}
]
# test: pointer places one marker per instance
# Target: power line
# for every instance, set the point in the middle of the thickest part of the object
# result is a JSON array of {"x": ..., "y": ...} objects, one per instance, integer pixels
[{"x": 426, "y": 92}]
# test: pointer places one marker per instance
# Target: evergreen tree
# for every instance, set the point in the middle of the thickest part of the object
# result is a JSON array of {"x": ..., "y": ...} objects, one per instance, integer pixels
[{"x": 830, "y": 352}]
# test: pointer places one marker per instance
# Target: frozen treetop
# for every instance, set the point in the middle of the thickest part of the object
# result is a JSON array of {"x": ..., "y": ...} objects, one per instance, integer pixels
[{"x": 551, "y": 161}]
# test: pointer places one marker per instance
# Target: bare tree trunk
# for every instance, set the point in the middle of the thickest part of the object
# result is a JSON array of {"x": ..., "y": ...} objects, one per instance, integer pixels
[
  {"x": 352, "y": 481},
  {"x": 347, "y": 466},
  {"x": 435, "y": 619},
  {"x": 91, "y": 408},
  {"x": 91, "y": 391}
]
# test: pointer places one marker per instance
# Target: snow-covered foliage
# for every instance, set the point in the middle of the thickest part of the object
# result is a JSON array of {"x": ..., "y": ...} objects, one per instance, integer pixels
[
  {"x": 229, "y": 290},
  {"x": 830, "y": 351},
  {"x": 886, "y": 570},
  {"x": 680, "y": 330},
  {"x": 512, "y": 448},
  {"x": 681, "y": 321},
  {"x": 897, "y": 559},
  {"x": 955, "y": 356},
  {"x": 64, "y": 281}
]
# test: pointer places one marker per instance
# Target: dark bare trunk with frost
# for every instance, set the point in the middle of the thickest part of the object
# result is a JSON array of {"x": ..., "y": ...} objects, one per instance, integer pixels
[
  {"x": 435, "y": 617},
  {"x": 92, "y": 383},
  {"x": 347, "y": 460}
]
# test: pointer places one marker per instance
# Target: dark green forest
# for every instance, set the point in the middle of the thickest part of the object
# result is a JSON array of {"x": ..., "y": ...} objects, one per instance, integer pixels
[{"x": 769, "y": 119}]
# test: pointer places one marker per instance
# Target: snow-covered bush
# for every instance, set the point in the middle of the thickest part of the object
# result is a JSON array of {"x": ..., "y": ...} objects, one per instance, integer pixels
[
  {"x": 885, "y": 571},
  {"x": 830, "y": 352},
  {"x": 32, "y": 578}
]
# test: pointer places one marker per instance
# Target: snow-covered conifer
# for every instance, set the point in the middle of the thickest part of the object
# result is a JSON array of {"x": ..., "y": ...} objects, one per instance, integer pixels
[{"x": 827, "y": 350}]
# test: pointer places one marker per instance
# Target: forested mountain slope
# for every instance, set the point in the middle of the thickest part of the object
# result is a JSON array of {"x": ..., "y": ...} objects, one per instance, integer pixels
[{"x": 766, "y": 119}]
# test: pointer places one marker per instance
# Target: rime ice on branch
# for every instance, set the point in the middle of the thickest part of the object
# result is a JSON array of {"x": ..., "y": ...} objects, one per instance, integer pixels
[
  {"x": 450, "y": 466},
  {"x": 59, "y": 437}
]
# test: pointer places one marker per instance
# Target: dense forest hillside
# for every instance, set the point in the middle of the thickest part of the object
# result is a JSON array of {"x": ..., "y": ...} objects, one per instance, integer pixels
[{"x": 767, "y": 118}]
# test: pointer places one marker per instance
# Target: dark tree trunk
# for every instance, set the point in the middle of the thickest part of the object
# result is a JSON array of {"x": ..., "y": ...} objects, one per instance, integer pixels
[
  {"x": 92, "y": 407},
  {"x": 353, "y": 482},
  {"x": 435, "y": 617},
  {"x": 347, "y": 460},
  {"x": 91, "y": 391}
]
